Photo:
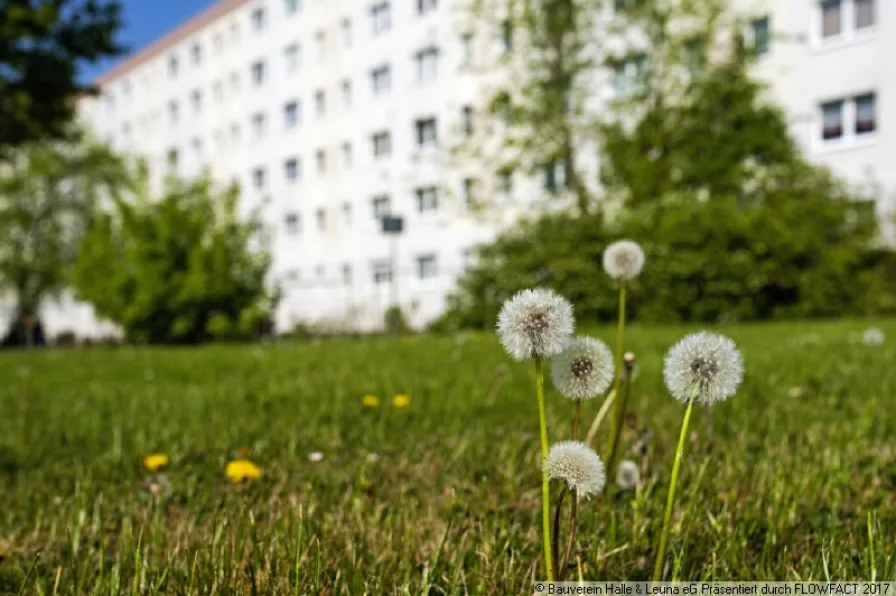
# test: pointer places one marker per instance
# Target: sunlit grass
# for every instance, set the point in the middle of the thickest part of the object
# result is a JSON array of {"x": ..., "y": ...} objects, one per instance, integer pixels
[{"x": 794, "y": 479}]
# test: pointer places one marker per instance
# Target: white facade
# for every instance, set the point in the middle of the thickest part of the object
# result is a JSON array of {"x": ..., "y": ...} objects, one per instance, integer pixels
[{"x": 338, "y": 111}]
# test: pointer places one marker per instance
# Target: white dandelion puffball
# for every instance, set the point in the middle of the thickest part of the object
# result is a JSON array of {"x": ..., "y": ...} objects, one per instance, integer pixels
[
  {"x": 623, "y": 260},
  {"x": 705, "y": 367},
  {"x": 535, "y": 324},
  {"x": 628, "y": 475},
  {"x": 315, "y": 456},
  {"x": 578, "y": 465},
  {"x": 873, "y": 337},
  {"x": 584, "y": 369}
]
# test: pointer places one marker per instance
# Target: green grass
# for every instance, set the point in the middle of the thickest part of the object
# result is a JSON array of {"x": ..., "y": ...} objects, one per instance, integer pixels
[{"x": 774, "y": 485}]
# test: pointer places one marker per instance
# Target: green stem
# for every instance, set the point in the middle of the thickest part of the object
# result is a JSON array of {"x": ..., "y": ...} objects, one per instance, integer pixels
[
  {"x": 618, "y": 406},
  {"x": 545, "y": 481},
  {"x": 667, "y": 517}
]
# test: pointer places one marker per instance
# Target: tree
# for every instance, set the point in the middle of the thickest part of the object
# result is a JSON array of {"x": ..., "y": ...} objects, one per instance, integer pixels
[
  {"x": 48, "y": 193},
  {"x": 736, "y": 223},
  {"x": 180, "y": 269},
  {"x": 550, "y": 52},
  {"x": 42, "y": 43}
]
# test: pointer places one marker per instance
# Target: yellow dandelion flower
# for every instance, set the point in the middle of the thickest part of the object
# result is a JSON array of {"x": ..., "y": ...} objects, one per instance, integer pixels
[
  {"x": 155, "y": 461},
  {"x": 241, "y": 470},
  {"x": 370, "y": 401},
  {"x": 401, "y": 400}
]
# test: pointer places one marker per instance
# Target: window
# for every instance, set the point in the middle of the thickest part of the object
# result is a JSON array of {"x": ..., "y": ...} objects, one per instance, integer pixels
[
  {"x": 506, "y": 184},
  {"x": 196, "y": 101},
  {"x": 172, "y": 67},
  {"x": 761, "y": 37},
  {"x": 864, "y": 10},
  {"x": 319, "y": 271},
  {"x": 831, "y": 17},
  {"x": 320, "y": 104},
  {"x": 217, "y": 91},
  {"x": 469, "y": 191},
  {"x": 506, "y": 36},
  {"x": 346, "y": 218},
  {"x": 427, "y": 199},
  {"x": 466, "y": 118},
  {"x": 196, "y": 53},
  {"x": 173, "y": 112},
  {"x": 292, "y": 224},
  {"x": 292, "y": 6},
  {"x": 234, "y": 33},
  {"x": 381, "y": 17},
  {"x": 554, "y": 176},
  {"x": 292, "y": 58},
  {"x": 320, "y": 158},
  {"x": 218, "y": 43},
  {"x": 258, "y": 73},
  {"x": 291, "y": 169},
  {"x": 427, "y": 267},
  {"x": 425, "y": 6},
  {"x": 235, "y": 131},
  {"x": 321, "y": 217},
  {"x": 235, "y": 81},
  {"x": 345, "y": 33},
  {"x": 345, "y": 152},
  {"x": 381, "y": 206},
  {"x": 291, "y": 114},
  {"x": 320, "y": 44},
  {"x": 832, "y": 120},
  {"x": 258, "y": 19},
  {"x": 426, "y": 132},
  {"x": 382, "y": 80},
  {"x": 258, "y": 178},
  {"x": 694, "y": 56},
  {"x": 258, "y": 126},
  {"x": 629, "y": 75},
  {"x": 196, "y": 147},
  {"x": 382, "y": 144},
  {"x": 866, "y": 120},
  {"x": 346, "y": 274},
  {"x": 346, "y": 93},
  {"x": 466, "y": 49},
  {"x": 427, "y": 64},
  {"x": 382, "y": 272},
  {"x": 171, "y": 158}
]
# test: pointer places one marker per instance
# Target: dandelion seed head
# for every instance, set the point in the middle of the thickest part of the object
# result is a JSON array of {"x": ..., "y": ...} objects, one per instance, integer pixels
[
  {"x": 535, "y": 323},
  {"x": 873, "y": 337},
  {"x": 584, "y": 369},
  {"x": 705, "y": 367},
  {"x": 628, "y": 475},
  {"x": 623, "y": 260},
  {"x": 578, "y": 465}
]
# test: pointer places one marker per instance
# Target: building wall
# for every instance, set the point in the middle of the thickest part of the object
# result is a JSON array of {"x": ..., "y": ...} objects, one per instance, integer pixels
[{"x": 326, "y": 266}]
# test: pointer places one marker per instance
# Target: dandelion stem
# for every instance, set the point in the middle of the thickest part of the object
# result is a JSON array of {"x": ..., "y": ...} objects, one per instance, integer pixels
[
  {"x": 555, "y": 537},
  {"x": 667, "y": 517},
  {"x": 618, "y": 406},
  {"x": 622, "y": 401},
  {"x": 573, "y": 518},
  {"x": 575, "y": 420},
  {"x": 601, "y": 414},
  {"x": 545, "y": 481}
]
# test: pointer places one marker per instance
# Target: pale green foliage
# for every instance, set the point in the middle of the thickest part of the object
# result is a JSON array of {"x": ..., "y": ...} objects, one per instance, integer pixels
[
  {"x": 178, "y": 268},
  {"x": 48, "y": 193}
]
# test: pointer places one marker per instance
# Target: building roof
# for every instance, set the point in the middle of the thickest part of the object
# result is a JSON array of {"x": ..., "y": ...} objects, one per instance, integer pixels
[{"x": 170, "y": 39}]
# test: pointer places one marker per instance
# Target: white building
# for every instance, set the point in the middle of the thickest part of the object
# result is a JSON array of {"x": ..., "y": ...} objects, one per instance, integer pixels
[{"x": 337, "y": 112}]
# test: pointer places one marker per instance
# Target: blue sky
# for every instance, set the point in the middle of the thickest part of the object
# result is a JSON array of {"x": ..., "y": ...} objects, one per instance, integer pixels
[{"x": 144, "y": 21}]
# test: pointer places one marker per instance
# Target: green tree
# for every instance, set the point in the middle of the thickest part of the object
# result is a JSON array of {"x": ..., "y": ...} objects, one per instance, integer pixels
[
  {"x": 48, "y": 194},
  {"x": 184, "y": 268},
  {"x": 42, "y": 43}
]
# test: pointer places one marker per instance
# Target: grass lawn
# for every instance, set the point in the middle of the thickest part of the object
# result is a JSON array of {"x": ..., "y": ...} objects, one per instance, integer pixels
[{"x": 792, "y": 479}]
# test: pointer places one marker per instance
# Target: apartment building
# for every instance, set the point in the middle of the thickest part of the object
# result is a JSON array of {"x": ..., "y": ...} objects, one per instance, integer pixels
[{"x": 334, "y": 114}]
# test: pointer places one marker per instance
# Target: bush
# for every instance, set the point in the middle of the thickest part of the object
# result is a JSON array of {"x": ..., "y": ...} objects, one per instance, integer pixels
[{"x": 178, "y": 269}]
